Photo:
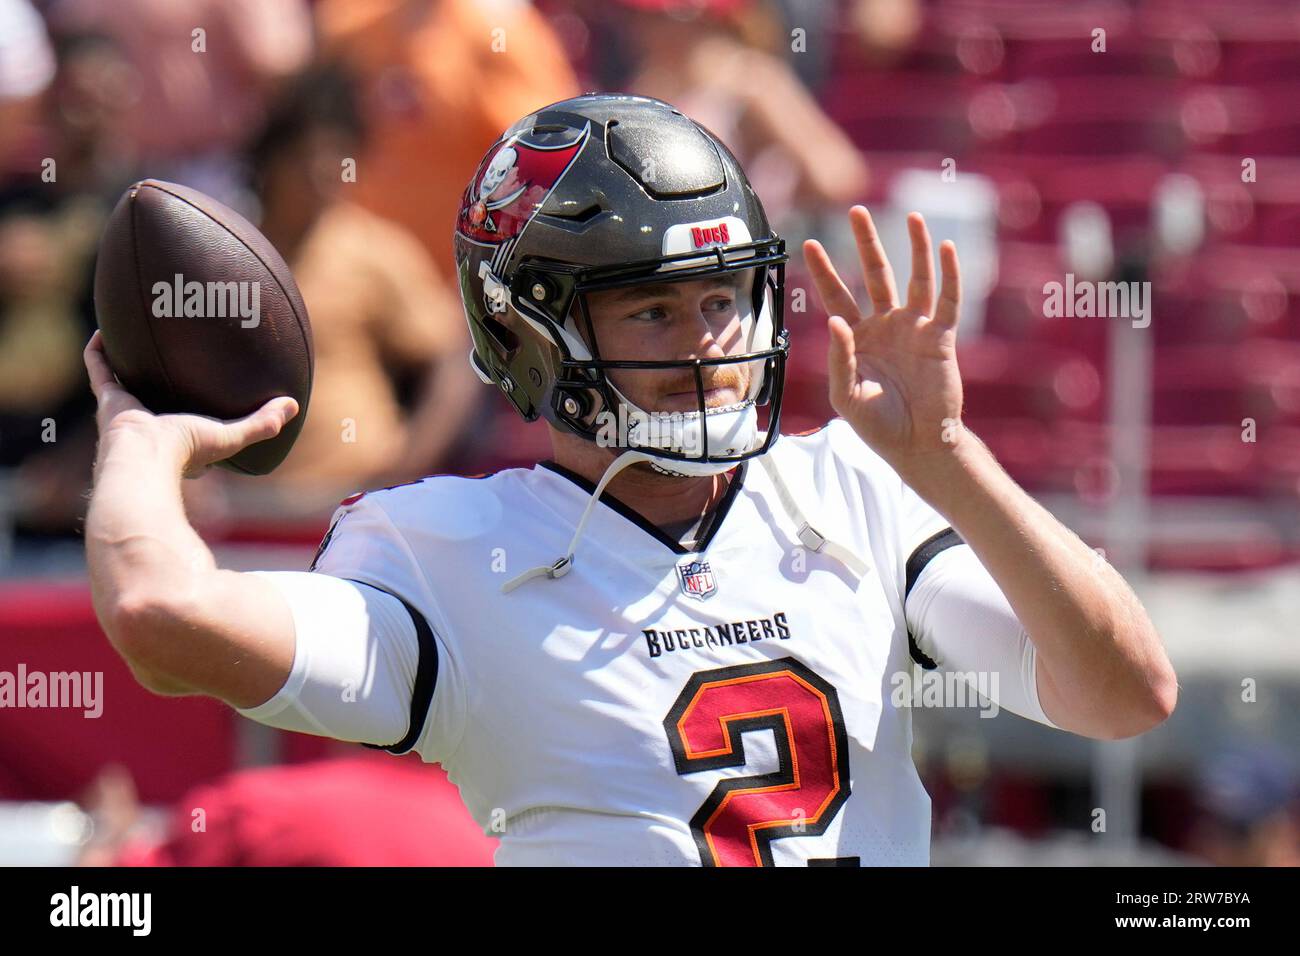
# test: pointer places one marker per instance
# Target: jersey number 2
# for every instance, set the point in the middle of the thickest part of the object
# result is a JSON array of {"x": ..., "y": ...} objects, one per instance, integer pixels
[{"x": 743, "y": 815}]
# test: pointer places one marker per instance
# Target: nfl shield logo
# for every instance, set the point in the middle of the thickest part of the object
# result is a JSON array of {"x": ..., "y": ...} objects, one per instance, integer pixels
[{"x": 697, "y": 579}]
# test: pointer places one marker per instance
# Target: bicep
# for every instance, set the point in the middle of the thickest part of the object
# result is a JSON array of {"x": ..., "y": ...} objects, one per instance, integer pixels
[{"x": 960, "y": 619}]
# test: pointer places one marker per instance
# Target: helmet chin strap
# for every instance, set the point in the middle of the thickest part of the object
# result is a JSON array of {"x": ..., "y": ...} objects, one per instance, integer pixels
[
  {"x": 808, "y": 536},
  {"x": 561, "y": 566}
]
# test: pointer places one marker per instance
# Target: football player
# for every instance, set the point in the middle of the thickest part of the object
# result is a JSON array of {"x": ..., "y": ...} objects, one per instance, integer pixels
[{"x": 678, "y": 641}]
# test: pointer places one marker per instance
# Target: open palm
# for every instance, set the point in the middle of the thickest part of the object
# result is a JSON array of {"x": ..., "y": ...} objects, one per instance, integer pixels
[{"x": 893, "y": 368}]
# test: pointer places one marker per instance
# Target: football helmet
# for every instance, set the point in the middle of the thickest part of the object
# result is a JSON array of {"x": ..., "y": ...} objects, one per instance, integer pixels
[{"x": 601, "y": 192}]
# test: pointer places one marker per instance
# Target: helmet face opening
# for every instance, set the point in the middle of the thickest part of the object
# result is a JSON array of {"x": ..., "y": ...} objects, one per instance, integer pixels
[
  {"x": 702, "y": 408},
  {"x": 600, "y": 194}
]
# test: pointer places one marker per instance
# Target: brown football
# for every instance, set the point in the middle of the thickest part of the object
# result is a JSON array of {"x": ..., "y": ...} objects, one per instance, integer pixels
[{"x": 199, "y": 313}]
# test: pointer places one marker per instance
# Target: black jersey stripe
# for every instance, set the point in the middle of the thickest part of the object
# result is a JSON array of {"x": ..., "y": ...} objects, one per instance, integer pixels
[
  {"x": 426, "y": 677},
  {"x": 923, "y": 555}
]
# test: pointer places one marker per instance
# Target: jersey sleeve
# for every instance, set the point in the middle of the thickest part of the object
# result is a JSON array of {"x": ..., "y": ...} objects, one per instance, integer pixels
[
  {"x": 956, "y": 616},
  {"x": 960, "y": 621},
  {"x": 369, "y": 663}
]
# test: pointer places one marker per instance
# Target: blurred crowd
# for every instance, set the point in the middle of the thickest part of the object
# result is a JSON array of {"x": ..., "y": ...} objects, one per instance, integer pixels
[{"x": 347, "y": 131}]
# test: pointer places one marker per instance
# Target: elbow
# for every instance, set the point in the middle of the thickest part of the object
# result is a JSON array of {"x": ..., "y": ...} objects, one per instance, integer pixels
[
  {"x": 1163, "y": 697},
  {"x": 138, "y": 626},
  {"x": 1150, "y": 706},
  {"x": 1159, "y": 694}
]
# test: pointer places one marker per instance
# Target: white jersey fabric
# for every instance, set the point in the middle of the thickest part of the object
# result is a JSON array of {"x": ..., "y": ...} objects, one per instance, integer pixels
[{"x": 731, "y": 706}]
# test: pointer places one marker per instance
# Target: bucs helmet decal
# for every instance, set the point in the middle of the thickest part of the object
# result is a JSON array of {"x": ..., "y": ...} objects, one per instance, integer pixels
[{"x": 514, "y": 180}]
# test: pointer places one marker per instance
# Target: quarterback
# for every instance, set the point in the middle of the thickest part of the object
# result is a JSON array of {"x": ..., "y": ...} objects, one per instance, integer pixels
[{"x": 674, "y": 642}]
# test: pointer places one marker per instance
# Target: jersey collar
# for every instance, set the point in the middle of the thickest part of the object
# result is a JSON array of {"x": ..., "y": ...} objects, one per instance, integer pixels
[{"x": 630, "y": 514}]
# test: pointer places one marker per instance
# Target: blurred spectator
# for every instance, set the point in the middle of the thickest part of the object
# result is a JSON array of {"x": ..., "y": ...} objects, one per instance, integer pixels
[
  {"x": 26, "y": 68},
  {"x": 1248, "y": 803},
  {"x": 380, "y": 314},
  {"x": 200, "y": 72},
  {"x": 51, "y": 215},
  {"x": 442, "y": 80},
  {"x": 372, "y": 809},
  {"x": 886, "y": 29},
  {"x": 818, "y": 21},
  {"x": 693, "y": 54}
]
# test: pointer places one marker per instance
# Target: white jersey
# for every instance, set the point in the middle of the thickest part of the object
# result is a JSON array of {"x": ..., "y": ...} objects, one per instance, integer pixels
[{"x": 728, "y": 706}]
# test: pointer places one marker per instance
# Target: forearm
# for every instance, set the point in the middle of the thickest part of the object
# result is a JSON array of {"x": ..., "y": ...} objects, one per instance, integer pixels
[
  {"x": 1101, "y": 664},
  {"x": 181, "y": 623},
  {"x": 139, "y": 543}
]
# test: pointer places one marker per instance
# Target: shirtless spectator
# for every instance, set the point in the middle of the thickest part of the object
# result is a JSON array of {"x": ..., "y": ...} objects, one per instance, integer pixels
[{"x": 381, "y": 317}]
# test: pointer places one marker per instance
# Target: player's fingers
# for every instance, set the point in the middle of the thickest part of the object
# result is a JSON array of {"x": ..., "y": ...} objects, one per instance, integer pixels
[
  {"x": 920, "y": 288},
  {"x": 219, "y": 440},
  {"x": 835, "y": 295},
  {"x": 876, "y": 270},
  {"x": 949, "y": 308},
  {"x": 841, "y": 359},
  {"x": 267, "y": 421},
  {"x": 97, "y": 365},
  {"x": 111, "y": 399}
]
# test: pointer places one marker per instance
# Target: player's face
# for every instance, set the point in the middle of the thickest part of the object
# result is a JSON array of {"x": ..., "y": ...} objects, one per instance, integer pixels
[{"x": 672, "y": 321}]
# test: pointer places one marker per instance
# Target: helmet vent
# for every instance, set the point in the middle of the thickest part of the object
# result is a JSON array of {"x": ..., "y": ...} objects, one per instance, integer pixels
[
  {"x": 585, "y": 215},
  {"x": 668, "y": 155}
]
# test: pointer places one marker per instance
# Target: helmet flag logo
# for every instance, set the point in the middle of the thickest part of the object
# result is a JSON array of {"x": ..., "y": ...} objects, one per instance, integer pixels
[{"x": 512, "y": 183}]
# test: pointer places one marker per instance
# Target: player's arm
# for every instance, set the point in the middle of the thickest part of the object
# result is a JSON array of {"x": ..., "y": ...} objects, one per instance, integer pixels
[
  {"x": 183, "y": 625},
  {"x": 1102, "y": 670},
  {"x": 958, "y": 620},
  {"x": 310, "y": 652}
]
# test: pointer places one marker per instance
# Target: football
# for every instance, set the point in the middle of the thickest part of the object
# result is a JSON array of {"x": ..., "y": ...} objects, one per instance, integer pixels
[{"x": 199, "y": 314}]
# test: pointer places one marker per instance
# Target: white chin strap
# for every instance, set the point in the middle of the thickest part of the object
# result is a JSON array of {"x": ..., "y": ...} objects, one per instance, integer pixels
[
  {"x": 560, "y": 567},
  {"x": 809, "y": 537}
]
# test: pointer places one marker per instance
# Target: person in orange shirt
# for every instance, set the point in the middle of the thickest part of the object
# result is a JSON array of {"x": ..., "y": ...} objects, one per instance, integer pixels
[{"x": 440, "y": 81}]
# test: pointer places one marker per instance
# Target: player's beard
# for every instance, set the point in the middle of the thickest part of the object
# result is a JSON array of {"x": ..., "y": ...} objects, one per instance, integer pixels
[{"x": 729, "y": 385}]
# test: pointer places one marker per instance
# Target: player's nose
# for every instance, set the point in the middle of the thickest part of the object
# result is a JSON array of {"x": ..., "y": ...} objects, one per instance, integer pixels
[{"x": 704, "y": 336}]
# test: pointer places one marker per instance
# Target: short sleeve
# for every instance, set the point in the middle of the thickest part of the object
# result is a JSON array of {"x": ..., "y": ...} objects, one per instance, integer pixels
[
  {"x": 356, "y": 657},
  {"x": 368, "y": 631},
  {"x": 962, "y": 623},
  {"x": 923, "y": 535}
]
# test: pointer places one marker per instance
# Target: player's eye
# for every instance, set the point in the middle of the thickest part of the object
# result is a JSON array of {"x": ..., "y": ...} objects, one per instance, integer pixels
[{"x": 653, "y": 314}]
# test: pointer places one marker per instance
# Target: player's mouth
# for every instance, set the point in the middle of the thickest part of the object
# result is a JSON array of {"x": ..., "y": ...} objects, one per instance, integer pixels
[{"x": 689, "y": 401}]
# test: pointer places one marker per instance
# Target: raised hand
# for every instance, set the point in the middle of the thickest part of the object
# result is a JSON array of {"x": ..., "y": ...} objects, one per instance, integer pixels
[{"x": 893, "y": 368}]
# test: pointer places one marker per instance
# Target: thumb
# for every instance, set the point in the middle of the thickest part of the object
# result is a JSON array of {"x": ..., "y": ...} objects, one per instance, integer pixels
[
  {"x": 262, "y": 424},
  {"x": 842, "y": 360}
]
